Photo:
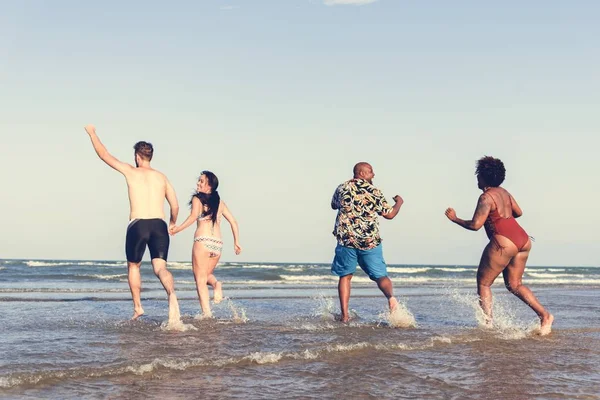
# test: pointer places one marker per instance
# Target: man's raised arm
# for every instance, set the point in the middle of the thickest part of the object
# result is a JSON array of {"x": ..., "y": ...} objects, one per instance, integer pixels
[
  {"x": 104, "y": 154},
  {"x": 395, "y": 208}
]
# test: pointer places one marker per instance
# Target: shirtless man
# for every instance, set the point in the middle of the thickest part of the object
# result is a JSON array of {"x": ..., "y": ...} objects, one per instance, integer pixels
[{"x": 147, "y": 190}]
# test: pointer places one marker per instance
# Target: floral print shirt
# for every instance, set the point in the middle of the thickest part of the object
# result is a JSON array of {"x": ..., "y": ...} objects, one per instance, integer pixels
[{"x": 359, "y": 204}]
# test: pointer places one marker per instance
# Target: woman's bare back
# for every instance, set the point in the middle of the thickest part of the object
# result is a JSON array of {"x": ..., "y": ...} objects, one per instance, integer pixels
[
  {"x": 205, "y": 226},
  {"x": 501, "y": 201}
]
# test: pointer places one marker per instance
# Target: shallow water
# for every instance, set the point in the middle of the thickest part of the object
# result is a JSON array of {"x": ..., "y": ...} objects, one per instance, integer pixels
[{"x": 274, "y": 339}]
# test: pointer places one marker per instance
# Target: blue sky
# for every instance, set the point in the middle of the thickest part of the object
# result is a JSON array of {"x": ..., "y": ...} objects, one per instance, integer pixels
[{"x": 280, "y": 99}]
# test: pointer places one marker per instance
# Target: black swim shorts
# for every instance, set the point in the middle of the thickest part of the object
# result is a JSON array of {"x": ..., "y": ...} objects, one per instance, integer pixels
[{"x": 151, "y": 232}]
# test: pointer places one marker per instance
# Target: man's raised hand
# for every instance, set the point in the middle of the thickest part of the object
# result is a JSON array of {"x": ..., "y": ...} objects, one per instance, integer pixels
[{"x": 90, "y": 129}]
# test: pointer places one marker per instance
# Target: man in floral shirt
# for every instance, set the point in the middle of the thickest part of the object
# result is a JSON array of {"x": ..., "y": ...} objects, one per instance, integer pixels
[{"x": 359, "y": 205}]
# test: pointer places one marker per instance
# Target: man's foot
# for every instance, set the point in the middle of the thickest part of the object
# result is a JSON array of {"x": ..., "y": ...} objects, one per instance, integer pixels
[
  {"x": 546, "y": 324},
  {"x": 218, "y": 293},
  {"x": 393, "y": 304},
  {"x": 345, "y": 318},
  {"x": 137, "y": 312},
  {"x": 174, "y": 315}
]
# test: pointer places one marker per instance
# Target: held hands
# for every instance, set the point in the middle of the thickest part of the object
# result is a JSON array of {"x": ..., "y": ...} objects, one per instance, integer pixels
[
  {"x": 451, "y": 214},
  {"x": 90, "y": 129},
  {"x": 173, "y": 229},
  {"x": 237, "y": 248}
]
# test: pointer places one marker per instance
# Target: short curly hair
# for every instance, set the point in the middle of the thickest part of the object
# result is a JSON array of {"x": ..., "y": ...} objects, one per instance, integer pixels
[
  {"x": 144, "y": 149},
  {"x": 491, "y": 170}
]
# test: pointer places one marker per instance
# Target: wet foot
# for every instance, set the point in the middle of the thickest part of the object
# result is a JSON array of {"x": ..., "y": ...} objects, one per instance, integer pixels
[
  {"x": 393, "y": 304},
  {"x": 546, "y": 325},
  {"x": 137, "y": 312},
  {"x": 343, "y": 318},
  {"x": 174, "y": 315},
  {"x": 218, "y": 293}
]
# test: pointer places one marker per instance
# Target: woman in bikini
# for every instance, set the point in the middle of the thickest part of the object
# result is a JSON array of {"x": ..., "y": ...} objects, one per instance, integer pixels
[
  {"x": 509, "y": 245},
  {"x": 207, "y": 210}
]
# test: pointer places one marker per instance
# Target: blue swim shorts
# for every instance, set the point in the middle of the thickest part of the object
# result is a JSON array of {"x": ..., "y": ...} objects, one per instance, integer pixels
[{"x": 371, "y": 261}]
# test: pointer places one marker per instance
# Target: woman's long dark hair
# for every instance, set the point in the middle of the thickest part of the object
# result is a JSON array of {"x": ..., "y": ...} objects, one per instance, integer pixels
[{"x": 210, "y": 200}]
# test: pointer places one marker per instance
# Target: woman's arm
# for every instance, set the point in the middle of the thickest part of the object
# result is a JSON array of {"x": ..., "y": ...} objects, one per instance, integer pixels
[
  {"x": 516, "y": 210},
  {"x": 194, "y": 213},
  {"x": 234, "y": 229},
  {"x": 479, "y": 216}
]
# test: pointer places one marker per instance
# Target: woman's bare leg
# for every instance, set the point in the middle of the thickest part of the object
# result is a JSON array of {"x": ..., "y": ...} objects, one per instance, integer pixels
[
  {"x": 513, "y": 276},
  {"x": 200, "y": 265},
  {"x": 492, "y": 263},
  {"x": 212, "y": 280}
]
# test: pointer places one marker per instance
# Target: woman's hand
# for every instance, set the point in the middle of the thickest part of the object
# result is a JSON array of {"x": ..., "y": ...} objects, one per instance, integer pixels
[
  {"x": 451, "y": 214},
  {"x": 237, "y": 248},
  {"x": 173, "y": 230}
]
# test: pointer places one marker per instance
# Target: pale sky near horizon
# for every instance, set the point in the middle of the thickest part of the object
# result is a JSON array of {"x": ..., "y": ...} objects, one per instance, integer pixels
[{"x": 280, "y": 99}]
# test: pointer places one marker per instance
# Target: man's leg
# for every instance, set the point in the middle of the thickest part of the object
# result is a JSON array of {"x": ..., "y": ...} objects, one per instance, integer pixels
[
  {"x": 135, "y": 245},
  {"x": 344, "y": 266},
  {"x": 386, "y": 287},
  {"x": 158, "y": 244},
  {"x": 372, "y": 262},
  {"x": 166, "y": 279},
  {"x": 344, "y": 286},
  {"x": 135, "y": 285}
]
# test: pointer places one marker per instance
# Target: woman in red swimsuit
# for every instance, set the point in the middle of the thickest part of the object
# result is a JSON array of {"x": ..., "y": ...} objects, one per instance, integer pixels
[{"x": 509, "y": 245}]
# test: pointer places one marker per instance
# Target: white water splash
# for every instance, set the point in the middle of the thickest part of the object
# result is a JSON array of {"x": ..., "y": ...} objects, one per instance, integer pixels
[
  {"x": 504, "y": 324},
  {"x": 202, "y": 316},
  {"x": 238, "y": 314},
  {"x": 399, "y": 317},
  {"x": 177, "y": 326},
  {"x": 324, "y": 308}
]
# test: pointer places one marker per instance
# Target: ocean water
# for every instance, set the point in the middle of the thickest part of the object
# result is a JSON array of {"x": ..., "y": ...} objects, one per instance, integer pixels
[{"x": 66, "y": 334}]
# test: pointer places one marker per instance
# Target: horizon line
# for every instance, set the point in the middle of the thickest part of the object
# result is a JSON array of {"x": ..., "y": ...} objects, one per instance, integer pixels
[{"x": 288, "y": 262}]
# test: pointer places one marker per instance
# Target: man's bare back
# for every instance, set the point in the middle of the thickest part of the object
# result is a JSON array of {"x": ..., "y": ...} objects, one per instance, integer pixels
[{"x": 147, "y": 189}]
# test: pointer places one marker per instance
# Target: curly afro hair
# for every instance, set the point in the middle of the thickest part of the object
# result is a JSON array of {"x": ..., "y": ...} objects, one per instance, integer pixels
[{"x": 491, "y": 170}]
